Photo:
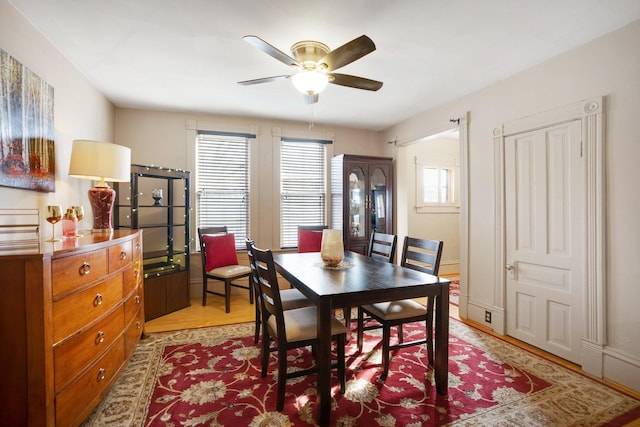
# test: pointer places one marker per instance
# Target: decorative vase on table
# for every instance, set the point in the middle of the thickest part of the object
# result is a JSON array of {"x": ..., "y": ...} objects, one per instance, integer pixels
[{"x": 332, "y": 247}]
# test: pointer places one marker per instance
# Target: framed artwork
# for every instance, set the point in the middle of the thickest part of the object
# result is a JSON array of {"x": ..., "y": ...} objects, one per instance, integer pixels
[{"x": 27, "y": 155}]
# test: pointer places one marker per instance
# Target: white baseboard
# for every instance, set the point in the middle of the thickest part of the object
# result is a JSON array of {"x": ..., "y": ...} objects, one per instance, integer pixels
[
  {"x": 621, "y": 369},
  {"x": 477, "y": 311},
  {"x": 610, "y": 364}
]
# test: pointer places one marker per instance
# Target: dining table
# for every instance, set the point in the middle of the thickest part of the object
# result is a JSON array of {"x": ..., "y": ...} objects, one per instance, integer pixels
[{"x": 359, "y": 280}]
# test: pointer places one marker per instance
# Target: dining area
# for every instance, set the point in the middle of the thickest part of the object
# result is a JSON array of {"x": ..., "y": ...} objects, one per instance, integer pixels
[{"x": 304, "y": 299}]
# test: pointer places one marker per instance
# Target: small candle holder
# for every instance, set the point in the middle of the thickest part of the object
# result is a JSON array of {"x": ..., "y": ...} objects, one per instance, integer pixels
[{"x": 157, "y": 196}]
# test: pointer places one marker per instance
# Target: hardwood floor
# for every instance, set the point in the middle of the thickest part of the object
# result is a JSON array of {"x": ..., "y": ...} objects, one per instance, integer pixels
[{"x": 198, "y": 316}]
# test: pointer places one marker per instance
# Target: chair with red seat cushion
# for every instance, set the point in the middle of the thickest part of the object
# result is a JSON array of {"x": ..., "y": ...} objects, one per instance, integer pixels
[
  {"x": 310, "y": 238},
  {"x": 220, "y": 262}
]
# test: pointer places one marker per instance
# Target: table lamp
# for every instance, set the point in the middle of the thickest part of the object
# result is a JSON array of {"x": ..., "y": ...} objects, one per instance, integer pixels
[{"x": 100, "y": 161}]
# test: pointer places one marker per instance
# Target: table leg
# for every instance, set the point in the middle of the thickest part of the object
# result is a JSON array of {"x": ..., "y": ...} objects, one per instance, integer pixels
[
  {"x": 442, "y": 341},
  {"x": 323, "y": 399}
]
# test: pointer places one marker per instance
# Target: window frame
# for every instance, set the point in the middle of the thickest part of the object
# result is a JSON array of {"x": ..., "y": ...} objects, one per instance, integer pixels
[
  {"x": 450, "y": 164},
  {"x": 287, "y": 236},
  {"x": 230, "y": 137}
]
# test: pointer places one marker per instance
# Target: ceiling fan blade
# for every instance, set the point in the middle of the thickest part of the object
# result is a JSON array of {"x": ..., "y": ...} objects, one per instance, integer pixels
[
  {"x": 348, "y": 52},
  {"x": 272, "y": 51},
  {"x": 310, "y": 99},
  {"x": 263, "y": 80},
  {"x": 354, "y": 81}
]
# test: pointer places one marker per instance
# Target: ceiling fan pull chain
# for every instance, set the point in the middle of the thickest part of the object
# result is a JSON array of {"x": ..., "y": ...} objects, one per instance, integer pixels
[{"x": 310, "y": 116}]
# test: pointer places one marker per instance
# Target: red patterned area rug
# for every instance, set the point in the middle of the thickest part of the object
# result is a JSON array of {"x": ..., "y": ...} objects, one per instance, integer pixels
[{"x": 211, "y": 377}]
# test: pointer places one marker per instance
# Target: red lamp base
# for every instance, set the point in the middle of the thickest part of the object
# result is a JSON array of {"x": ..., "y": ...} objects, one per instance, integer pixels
[{"x": 101, "y": 199}]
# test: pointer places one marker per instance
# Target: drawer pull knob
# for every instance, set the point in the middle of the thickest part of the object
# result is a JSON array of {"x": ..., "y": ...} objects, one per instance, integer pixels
[
  {"x": 85, "y": 269},
  {"x": 137, "y": 299},
  {"x": 101, "y": 374},
  {"x": 138, "y": 325},
  {"x": 100, "y": 337},
  {"x": 97, "y": 300},
  {"x": 123, "y": 255}
]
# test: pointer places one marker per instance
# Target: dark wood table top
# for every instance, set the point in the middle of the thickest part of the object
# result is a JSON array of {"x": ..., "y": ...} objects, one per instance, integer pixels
[{"x": 360, "y": 280}]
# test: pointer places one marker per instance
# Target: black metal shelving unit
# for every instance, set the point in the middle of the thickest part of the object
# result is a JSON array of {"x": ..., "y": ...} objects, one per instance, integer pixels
[{"x": 166, "y": 233}]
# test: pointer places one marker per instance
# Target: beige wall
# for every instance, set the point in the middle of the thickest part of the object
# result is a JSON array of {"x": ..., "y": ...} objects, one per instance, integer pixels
[
  {"x": 81, "y": 111},
  {"x": 167, "y": 139},
  {"x": 609, "y": 66},
  {"x": 443, "y": 226}
]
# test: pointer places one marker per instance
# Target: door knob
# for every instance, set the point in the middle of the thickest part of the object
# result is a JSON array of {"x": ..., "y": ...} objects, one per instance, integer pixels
[{"x": 508, "y": 267}]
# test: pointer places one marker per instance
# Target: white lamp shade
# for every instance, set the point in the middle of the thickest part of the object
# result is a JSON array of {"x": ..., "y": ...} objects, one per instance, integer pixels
[
  {"x": 310, "y": 82},
  {"x": 100, "y": 161}
]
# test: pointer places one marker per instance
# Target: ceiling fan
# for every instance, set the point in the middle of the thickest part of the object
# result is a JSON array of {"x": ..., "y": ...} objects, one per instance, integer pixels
[{"x": 315, "y": 63}]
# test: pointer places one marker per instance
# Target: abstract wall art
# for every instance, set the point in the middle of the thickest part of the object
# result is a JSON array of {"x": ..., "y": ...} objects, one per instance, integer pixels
[{"x": 27, "y": 154}]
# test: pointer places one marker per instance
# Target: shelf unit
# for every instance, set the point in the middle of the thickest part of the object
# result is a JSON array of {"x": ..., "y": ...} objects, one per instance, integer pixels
[{"x": 166, "y": 236}]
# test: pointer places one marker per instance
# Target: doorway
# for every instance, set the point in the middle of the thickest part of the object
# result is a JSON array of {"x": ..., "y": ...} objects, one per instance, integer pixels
[{"x": 454, "y": 217}]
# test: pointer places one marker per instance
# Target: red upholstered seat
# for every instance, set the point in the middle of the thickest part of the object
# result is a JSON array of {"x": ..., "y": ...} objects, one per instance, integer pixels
[
  {"x": 220, "y": 262},
  {"x": 309, "y": 240}
]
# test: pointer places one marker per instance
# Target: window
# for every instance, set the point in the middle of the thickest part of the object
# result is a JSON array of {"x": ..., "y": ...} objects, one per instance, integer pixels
[
  {"x": 435, "y": 184},
  {"x": 222, "y": 182},
  {"x": 303, "y": 183}
]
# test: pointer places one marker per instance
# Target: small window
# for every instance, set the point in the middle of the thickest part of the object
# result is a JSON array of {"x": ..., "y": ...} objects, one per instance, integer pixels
[{"x": 436, "y": 185}]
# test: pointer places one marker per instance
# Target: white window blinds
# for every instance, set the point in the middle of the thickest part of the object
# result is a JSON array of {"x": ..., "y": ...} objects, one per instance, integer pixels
[
  {"x": 302, "y": 187},
  {"x": 222, "y": 182}
]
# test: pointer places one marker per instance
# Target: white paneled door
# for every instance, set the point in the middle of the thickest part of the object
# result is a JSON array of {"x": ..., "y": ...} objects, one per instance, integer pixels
[{"x": 545, "y": 238}]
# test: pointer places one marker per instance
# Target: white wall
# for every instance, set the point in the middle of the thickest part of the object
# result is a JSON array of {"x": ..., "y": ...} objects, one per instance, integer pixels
[
  {"x": 80, "y": 111},
  {"x": 608, "y": 66}
]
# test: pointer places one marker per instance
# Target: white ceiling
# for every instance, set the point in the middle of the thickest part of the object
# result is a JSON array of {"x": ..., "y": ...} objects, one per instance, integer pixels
[{"x": 188, "y": 55}]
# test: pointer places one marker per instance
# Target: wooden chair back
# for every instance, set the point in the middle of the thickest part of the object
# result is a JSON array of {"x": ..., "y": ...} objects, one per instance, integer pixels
[
  {"x": 254, "y": 276},
  {"x": 422, "y": 255},
  {"x": 312, "y": 227},
  {"x": 269, "y": 288},
  {"x": 382, "y": 246}
]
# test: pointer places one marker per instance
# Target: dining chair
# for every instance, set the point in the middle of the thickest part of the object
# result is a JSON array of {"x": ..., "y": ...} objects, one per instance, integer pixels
[
  {"x": 290, "y": 329},
  {"x": 381, "y": 247},
  {"x": 220, "y": 262},
  {"x": 291, "y": 298},
  {"x": 417, "y": 254},
  {"x": 310, "y": 238}
]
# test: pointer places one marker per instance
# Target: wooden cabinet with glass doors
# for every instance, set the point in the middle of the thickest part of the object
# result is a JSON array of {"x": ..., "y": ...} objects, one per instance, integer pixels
[{"x": 361, "y": 198}]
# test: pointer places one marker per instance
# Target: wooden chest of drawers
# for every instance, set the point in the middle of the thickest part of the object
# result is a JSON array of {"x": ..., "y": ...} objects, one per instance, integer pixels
[{"x": 71, "y": 316}]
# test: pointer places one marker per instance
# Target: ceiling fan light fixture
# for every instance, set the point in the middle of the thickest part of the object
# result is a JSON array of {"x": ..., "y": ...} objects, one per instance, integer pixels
[{"x": 310, "y": 82}]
